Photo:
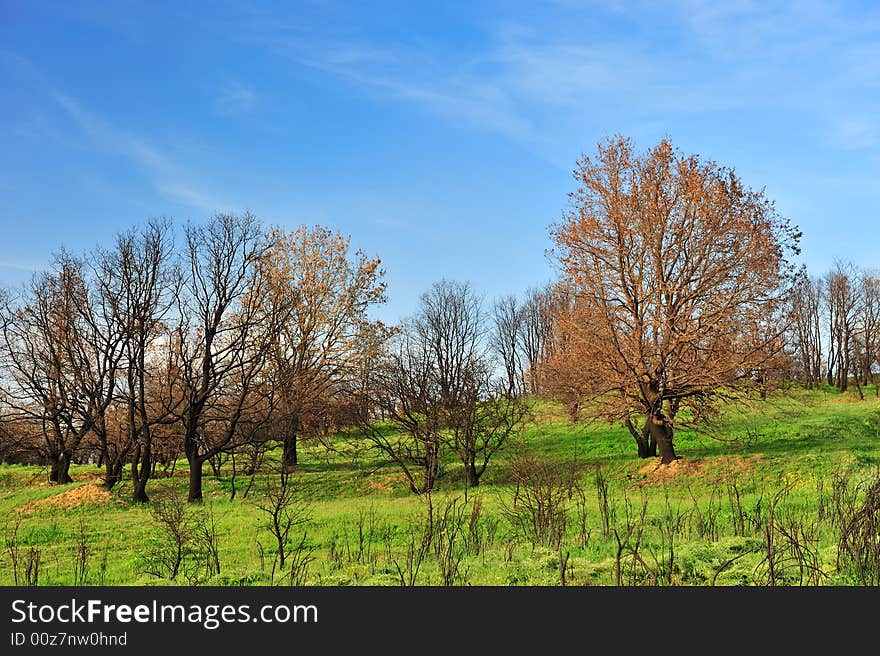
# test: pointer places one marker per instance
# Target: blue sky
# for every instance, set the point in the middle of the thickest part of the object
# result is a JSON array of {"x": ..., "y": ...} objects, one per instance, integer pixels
[{"x": 440, "y": 136}]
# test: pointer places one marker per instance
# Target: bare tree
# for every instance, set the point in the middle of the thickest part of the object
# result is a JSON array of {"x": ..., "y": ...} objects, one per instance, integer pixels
[
  {"x": 806, "y": 321},
  {"x": 508, "y": 320},
  {"x": 222, "y": 340},
  {"x": 481, "y": 422},
  {"x": 842, "y": 306},
  {"x": 95, "y": 342},
  {"x": 139, "y": 284},
  {"x": 867, "y": 337},
  {"x": 436, "y": 389},
  {"x": 536, "y": 333},
  {"x": 43, "y": 361},
  {"x": 90, "y": 343},
  {"x": 674, "y": 266},
  {"x": 403, "y": 388}
]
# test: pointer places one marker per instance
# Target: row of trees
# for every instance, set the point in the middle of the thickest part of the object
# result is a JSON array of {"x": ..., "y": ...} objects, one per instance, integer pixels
[
  {"x": 242, "y": 339},
  {"x": 835, "y": 334},
  {"x": 676, "y": 295},
  {"x": 143, "y": 351}
]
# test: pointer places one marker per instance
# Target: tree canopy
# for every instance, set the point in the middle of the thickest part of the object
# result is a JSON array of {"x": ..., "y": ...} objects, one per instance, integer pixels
[{"x": 676, "y": 274}]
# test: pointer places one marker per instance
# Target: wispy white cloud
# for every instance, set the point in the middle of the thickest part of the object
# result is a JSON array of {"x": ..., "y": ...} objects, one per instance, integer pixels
[
  {"x": 536, "y": 87},
  {"x": 165, "y": 174},
  {"x": 18, "y": 266},
  {"x": 544, "y": 84},
  {"x": 856, "y": 132},
  {"x": 167, "y": 177},
  {"x": 415, "y": 77},
  {"x": 235, "y": 98}
]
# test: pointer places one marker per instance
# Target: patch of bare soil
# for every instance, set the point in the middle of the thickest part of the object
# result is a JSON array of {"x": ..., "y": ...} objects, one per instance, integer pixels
[
  {"x": 386, "y": 482},
  {"x": 654, "y": 473},
  {"x": 78, "y": 496},
  {"x": 93, "y": 476},
  {"x": 715, "y": 470}
]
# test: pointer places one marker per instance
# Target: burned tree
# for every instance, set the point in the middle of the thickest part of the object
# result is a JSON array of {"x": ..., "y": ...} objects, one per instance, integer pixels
[
  {"x": 867, "y": 337},
  {"x": 508, "y": 320},
  {"x": 222, "y": 340},
  {"x": 481, "y": 422},
  {"x": 842, "y": 307},
  {"x": 95, "y": 342},
  {"x": 138, "y": 282},
  {"x": 806, "y": 328},
  {"x": 436, "y": 391},
  {"x": 43, "y": 364},
  {"x": 403, "y": 391},
  {"x": 536, "y": 343},
  {"x": 674, "y": 265}
]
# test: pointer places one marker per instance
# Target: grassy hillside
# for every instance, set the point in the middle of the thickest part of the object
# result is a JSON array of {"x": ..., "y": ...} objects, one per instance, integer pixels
[{"x": 765, "y": 506}]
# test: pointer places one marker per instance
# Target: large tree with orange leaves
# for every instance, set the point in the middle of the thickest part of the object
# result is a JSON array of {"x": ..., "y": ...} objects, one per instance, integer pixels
[
  {"x": 677, "y": 273},
  {"x": 319, "y": 293}
]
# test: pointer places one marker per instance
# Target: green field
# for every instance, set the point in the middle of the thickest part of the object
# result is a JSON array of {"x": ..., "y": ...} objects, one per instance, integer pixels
[{"x": 766, "y": 505}]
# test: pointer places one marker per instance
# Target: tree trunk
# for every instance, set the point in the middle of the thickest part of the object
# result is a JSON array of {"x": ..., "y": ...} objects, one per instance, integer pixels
[
  {"x": 645, "y": 442},
  {"x": 289, "y": 458},
  {"x": 431, "y": 467},
  {"x": 112, "y": 473},
  {"x": 139, "y": 494},
  {"x": 141, "y": 470},
  {"x": 60, "y": 471},
  {"x": 135, "y": 459},
  {"x": 472, "y": 476},
  {"x": 859, "y": 388},
  {"x": 662, "y": 431},
  {"x": 647, "y": 447},
  {"x": 574, "y": 412},
  {"x": 195, "y": 480}
]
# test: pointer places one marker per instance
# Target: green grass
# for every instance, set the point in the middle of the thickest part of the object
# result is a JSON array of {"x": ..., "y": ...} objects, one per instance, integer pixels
[{"x": 794, "y": 442}]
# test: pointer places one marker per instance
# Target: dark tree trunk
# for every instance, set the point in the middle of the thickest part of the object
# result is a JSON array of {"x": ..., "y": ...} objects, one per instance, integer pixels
[
  {"x": 859, "y": 388},
  {"x": 60, "y": 470},
  {"x": 135, "y": 460},
  {"x": 141, "y": 470},
  {"x": 647, "y": 446},
  {"x": 112, "y": 473},
  {"x": 431, "y": 468},
  {"x": 139, "y": 494},
  {"x": 574, "y": 412},
  {"x": 290, "y": 458},
  {"x": 662, "y": 431},
  {"x": 472, "y": 477},
  {"x": 195, "y": 480}
]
